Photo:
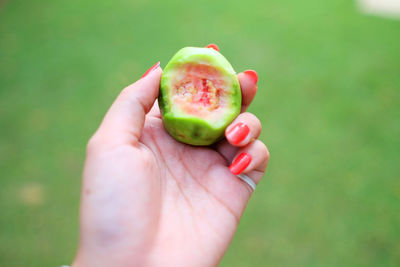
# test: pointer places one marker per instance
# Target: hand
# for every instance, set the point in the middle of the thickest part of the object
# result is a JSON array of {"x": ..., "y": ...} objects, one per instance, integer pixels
[{"x": 148, "y": 200}]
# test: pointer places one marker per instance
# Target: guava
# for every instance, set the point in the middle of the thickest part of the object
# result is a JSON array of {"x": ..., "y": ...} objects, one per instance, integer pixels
[{"x": 199, "y": 96}]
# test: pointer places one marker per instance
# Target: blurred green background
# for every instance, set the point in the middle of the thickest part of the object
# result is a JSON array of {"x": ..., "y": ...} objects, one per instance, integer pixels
[{"x": 328, "y": 99}]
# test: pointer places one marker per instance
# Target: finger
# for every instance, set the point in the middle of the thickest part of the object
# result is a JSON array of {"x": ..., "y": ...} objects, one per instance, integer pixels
[
  {"x": 248, "y": 83},
  {"x": 227, "y": 150},
  {"x": 213, "y": 46},
  {"x": 243, "y": 130},
  {"x": 250, "y": 160},
  {"x": 124, "y": 121}
]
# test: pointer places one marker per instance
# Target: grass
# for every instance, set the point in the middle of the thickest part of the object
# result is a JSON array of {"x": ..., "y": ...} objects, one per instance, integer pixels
[{"x": 329, "y": 101}]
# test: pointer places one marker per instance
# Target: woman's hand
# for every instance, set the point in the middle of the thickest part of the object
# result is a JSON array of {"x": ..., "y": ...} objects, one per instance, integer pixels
[{"x": 148, "y": 200}]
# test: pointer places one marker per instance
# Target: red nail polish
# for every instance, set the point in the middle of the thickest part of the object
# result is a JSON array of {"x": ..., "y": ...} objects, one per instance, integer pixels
[
  {"x": 237, "y": 133},
  {"x": 252, "y": 74},
  {"x": 240, "y": 163},
  {"x": 155, "y": 66},
  {"x": 213, "y": 46}
]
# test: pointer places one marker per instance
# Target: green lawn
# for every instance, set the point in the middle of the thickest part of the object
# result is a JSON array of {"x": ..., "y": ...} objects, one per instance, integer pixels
[{"x": 329, "y": 101}]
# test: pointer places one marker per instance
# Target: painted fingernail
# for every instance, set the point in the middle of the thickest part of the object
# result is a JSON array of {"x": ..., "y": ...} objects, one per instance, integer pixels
[
  {"x": 252, "y": 74},
  {"x": 237, "y": 133},
  {"x": 213, "y": 46},
  {"x": 240, "y": 163},
  {"x": 155, "y": 66}
]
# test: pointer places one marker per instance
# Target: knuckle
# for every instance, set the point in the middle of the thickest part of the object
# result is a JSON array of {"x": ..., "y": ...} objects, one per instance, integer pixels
[
  {"x": 264, "y": 156},
  {"x": 256, "y": 120},
  {"x": 267, "y": 154},
  {"x": 252, "y": 119},
  {"x": 263, "y": 150},
  {"x": 99, "y": 147},
  {"x": 125, "y": 92},
  {"x": 100, "y": 142},
  {"x": 250, "y": 115},
  {"x": 93, "y": 144}
]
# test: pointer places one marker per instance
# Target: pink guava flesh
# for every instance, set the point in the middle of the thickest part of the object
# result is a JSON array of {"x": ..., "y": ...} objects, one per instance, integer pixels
[{"x": 199, "y": 89}]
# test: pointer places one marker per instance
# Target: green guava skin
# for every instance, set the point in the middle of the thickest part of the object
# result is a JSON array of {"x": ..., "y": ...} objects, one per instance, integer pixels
[{"x": 188, "y": 128}]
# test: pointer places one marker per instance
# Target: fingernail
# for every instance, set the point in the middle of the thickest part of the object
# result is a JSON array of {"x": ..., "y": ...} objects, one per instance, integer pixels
[
  {"x": 240, "y": 163},
  {"x": 213, "y": 46},
  {"x": 252, "y": 74},
  {"x": 237, "y": 133},
  {"x": 155, "y": 66}
]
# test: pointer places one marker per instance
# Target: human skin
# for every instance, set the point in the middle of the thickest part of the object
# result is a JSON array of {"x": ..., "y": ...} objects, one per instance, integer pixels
[{"x": 148, "y": 200}]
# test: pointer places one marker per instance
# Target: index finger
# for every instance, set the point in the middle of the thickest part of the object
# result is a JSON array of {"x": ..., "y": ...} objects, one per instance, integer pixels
[{"x": 248, "y": 83}]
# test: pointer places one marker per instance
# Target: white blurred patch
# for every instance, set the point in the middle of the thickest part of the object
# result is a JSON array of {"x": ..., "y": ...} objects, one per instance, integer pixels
[
  {"x": 31, "y": 194},
  {"x": 385, "y": 8}
]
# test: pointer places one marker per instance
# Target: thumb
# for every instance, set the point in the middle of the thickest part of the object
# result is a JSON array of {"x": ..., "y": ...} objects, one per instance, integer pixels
[{"x": 124, "y": 120}]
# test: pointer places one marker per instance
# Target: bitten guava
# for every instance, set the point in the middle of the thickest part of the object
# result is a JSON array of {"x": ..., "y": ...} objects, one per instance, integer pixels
[{"x": 199, "y": 96}]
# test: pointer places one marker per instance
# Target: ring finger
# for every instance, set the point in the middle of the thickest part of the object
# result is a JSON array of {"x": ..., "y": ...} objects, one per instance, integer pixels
[{"x": 251, "y": 160}]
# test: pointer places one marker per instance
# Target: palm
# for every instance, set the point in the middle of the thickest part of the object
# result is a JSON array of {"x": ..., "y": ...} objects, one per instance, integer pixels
[{"x": 199, "y": 208}]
